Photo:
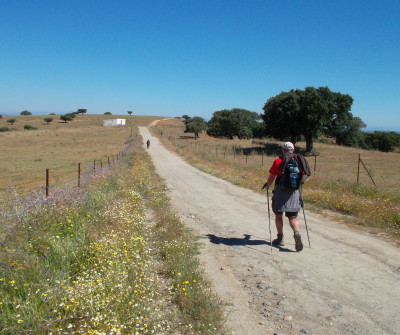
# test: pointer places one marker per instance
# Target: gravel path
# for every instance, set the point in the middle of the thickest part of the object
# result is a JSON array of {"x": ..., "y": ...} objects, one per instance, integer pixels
[{"x": 348, "y": 282}]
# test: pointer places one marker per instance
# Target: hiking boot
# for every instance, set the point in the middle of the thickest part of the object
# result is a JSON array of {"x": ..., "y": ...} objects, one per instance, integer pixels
[
  {"x": 279, "y": 241},
  {"x": 297, "y": 242}
]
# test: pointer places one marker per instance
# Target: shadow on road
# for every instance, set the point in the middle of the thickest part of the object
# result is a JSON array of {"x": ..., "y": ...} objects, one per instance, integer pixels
[
  {"x": 235, "y": 240},
  {"x": 245, "y": 241}
]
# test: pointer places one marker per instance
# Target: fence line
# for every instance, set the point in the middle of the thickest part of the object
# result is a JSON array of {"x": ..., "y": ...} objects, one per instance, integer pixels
[
  {"x": 83, "y": 170},
  {"x": 51, "y": 193},
  {"x": 325, "y": 167}
]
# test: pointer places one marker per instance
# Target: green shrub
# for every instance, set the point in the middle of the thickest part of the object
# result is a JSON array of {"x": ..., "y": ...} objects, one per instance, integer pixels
[
  {"x": 48, "y": 119},
  {"x": 66, "y": 117},
  {"x": 29, "y": 127},
  {"x": 4, "y": 129}
]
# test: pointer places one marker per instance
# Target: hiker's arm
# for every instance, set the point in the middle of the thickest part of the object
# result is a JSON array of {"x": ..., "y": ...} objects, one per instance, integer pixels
[{"x": 270, "y": 180}]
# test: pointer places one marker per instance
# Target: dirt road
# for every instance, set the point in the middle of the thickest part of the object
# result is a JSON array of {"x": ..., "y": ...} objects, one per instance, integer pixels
[{"x": 348, "y": 282}]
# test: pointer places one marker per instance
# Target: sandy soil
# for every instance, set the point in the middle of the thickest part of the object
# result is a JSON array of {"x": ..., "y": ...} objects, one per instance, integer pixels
[{"x": 348, "y": 282}]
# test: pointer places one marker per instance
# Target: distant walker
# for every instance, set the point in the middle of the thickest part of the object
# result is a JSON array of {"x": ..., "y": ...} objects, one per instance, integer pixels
[{"x": 148, "y": 144}]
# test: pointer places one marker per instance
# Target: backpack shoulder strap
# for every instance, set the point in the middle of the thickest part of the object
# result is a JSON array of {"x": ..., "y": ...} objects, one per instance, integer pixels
[
  {"x": 304, "y": 164},
  {"x": 285, "y": 159}
]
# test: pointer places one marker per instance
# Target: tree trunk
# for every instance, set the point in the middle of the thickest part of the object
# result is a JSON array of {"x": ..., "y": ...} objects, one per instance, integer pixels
[{"x": 309, "y": 144}]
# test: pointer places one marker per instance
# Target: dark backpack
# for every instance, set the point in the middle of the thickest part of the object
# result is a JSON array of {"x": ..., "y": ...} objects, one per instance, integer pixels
[{"x": 293, "y": 167}]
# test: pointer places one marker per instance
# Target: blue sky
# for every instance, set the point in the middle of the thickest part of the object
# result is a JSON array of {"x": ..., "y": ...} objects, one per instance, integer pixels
[{"x": 170, "y": 58}]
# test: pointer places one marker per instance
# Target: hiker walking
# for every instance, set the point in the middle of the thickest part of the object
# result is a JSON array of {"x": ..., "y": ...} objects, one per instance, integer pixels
[
  {"x": 288, "y": 172},
  {"x": 148, "y": 143}
]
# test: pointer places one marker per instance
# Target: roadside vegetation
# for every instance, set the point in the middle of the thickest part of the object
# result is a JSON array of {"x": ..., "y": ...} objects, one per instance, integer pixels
[
  {"x": 107, "y": 258},
  {"x": 333, "y": 185}
]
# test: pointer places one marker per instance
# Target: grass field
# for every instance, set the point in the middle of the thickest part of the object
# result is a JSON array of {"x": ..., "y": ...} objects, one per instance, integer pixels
[
  {"x": 59, "y": 147},
  {"x": 336, "y": 170}
]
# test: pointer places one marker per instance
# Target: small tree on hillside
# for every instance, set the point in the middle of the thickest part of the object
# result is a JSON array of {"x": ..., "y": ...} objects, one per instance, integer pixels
[
  {"x": 48, "y": 119},
  {"x": 130, "y": 112},
  {"x": 234, "y": 122},
  {"x": 107, "y": 113},
  {"x": 25, "y": 113},
  {"x": 81, "y": 111},
  {"x": 195, "y": 125},
  {"x": 11, "y": 121},
  {"x": 66, "y": 117}
]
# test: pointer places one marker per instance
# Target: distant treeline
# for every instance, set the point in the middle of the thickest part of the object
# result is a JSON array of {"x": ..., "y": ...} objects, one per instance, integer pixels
[{"x": 379, "y": 140}]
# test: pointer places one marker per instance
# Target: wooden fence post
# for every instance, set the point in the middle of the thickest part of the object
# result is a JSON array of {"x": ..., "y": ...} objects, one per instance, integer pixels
[
  {"x": 79, "y": 174},
  {"x": 315, "y": 163},
  {"x": 47, "y": 182}
]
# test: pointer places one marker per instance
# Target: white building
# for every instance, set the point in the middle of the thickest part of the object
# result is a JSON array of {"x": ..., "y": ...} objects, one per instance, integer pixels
[{"x": 114, "y": 122}]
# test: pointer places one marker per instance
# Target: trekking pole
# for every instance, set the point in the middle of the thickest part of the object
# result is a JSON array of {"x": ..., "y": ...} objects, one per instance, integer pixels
[
  {"x": 269, "y": 214},
  {"x": 304, "y": 214},
  {"x": 269, "y": 220}
]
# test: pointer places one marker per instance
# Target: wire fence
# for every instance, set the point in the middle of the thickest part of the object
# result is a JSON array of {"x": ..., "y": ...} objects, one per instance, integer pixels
[
  {"x": 48, "y": 187},
  {"x": 371, "y": 168}
]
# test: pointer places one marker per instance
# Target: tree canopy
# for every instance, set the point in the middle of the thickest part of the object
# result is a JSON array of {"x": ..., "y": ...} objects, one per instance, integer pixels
[
  {"x": 348, "y": 132},
  {"x": 66, "y": 117},
  {"x": 81, "y": 111},
  {"x": 48, "y": 119},
  {"x": 194, "y": 125},
  {"x": 234, "y": 122},
  {"x": 307, "y": 112},
  {"x": 25, "y": 112}
]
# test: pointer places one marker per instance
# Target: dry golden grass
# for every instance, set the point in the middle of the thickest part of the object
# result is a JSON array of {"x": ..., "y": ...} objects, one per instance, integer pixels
[
  {"x": 333, "y": 162},
  {"x": 59, "y": 147}
]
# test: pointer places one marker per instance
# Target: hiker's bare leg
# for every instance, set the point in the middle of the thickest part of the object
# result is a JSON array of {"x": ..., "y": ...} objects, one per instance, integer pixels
[
  {"x": 294, "y": 223},
  {"x": 279, "y": 223}
]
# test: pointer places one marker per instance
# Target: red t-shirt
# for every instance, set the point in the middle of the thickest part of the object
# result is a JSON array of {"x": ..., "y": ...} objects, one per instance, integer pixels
[{"x": 275, "y": 167}]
